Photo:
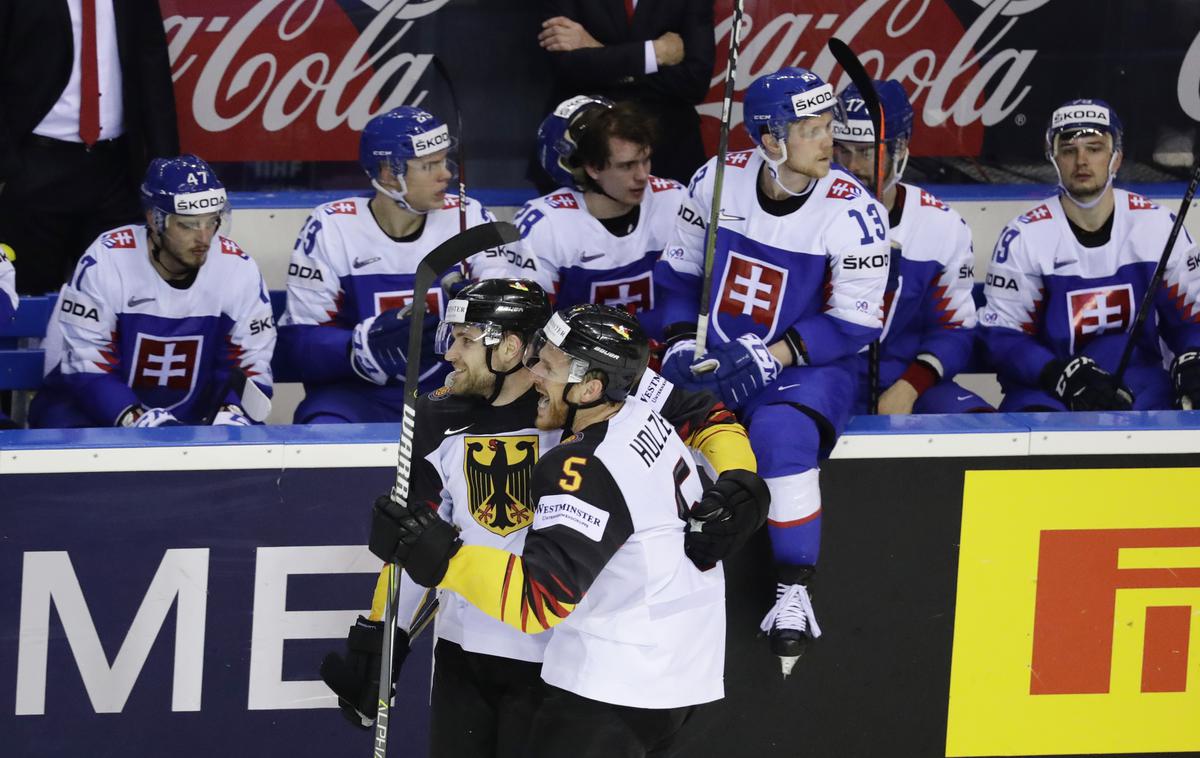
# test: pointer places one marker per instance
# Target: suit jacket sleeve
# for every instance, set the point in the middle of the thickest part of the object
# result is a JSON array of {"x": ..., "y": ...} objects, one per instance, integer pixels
[
  {"x": 147, "y": 61},
  {"x": 619, "y": 60},
  {"x": 690, "y": 79}
]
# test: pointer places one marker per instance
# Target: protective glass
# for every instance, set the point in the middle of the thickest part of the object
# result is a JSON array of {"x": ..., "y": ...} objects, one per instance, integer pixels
[
  {"x": 207, "y": 223},
  {"x": 546, "y": 360}
]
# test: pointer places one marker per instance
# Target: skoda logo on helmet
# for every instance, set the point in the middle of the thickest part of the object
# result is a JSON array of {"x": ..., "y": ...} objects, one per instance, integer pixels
[
  {"x": 1080, "y": 114},
  {"x": 854, "y": 131},
  {"x": 807, "y": 103},
  {"x": 192, "y": 203},
  {"x": 431, "y": 142}
]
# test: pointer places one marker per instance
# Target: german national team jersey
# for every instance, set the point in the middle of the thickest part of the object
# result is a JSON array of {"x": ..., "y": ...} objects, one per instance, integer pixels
[
  {"x": 476, "y": 460},
  {"x": 820, "y": 269},
  {"x": 122, "y": 336},
  {"x": 344, "y": 268},
  {"x": 1049, "y": 297},
  {"x": 928, "y": 305},
  {"x": 586, "y": 263},
  {"x": 635, "y": 623},
  {"x": 8, "y": 289}
]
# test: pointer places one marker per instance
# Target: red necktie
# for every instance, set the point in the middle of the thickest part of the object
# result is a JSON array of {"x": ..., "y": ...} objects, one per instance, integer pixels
[
  {"x": 629, "y": 11},
  {"x": 89, "y": 80}
]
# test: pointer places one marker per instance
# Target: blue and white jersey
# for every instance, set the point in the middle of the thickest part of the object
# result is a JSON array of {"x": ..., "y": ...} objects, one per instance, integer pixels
[
  {"x": 928, "y": 308},
  {"x": 586, "y": 263},
  {"x": 122, "y": 336},
  {"x": 1050, "y": 297},
  {"x": 820, "y": 270},
  {"x": 344, "y": 268},
  {"x": 8, "y": 289}
]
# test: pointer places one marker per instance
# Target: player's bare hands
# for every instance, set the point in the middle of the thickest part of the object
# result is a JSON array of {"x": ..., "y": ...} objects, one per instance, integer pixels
[
  {"x": 562, "y": 35},
  {"x": 897, "y": 399},
  {"x": 668, "y": 49}
]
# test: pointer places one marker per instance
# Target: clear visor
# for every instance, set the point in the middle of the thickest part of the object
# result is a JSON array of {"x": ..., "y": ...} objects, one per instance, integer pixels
[
  {"x": 546, "y": 360},
  {"x": 447, "y": 333},
  {"x": 1068, "y": 136},
  {"x": 204, "y": 222}
]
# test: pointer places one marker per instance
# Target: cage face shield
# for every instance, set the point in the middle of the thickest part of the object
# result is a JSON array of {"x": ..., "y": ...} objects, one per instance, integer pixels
[{"x": 546, "y": 360}]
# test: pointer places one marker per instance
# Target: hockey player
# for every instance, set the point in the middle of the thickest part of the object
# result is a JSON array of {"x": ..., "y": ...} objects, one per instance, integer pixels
[
  {"x": 1067, "y": 276},
  {"x": 352, "y": 271},
  {"x": 475, "y": 447},
  {"x": 162, "y": 324},
  {"x": 800, "y": 265},
  {"x": 929, "y": 314},
  {"x": 638, "y": 638},
  {"x": 599, "y": 235}
]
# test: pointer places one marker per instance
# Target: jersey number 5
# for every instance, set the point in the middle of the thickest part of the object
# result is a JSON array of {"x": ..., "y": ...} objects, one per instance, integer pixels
[{"x": 572, "y": 479}]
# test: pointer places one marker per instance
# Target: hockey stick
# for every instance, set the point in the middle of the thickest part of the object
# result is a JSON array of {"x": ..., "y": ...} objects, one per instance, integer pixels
[
  {"x": 449, "y": 253},
  {"x": 714, "y": 216},
  {"x": 462, "y": 154},
  {"x": 1159, "y": 271},
  {"x": 854, "y": 69}
]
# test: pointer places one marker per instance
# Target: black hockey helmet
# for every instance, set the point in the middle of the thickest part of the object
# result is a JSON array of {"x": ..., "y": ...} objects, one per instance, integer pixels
[
  {"x": 593, "y": 338},
  {"x": 495, "y": 306}
]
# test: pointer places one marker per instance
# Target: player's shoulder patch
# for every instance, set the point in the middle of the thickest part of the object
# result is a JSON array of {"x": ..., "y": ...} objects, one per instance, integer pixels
[
  {"x": 1040, "y": 213},
  {"x": 561, "y": 201},
  {"x": 119, "y": 239},
  {"x": 929, "y": 201},
  {"x": 661, "y": 184},
  {"x": 844, "y": 189},
  {"x": 340, "y": 208},
  {"x": 739, "y": 158},
  {"x": 576, "y": 437},
  {"x": 1140, "y": 203},
  {"x": 229, "y": 247},
  {"x": 441, "y": 393}
]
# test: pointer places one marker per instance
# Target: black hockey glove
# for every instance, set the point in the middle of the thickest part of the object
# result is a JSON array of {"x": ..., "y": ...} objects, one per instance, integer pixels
[
  {"x": 1185, "y": 377},
  {"x": 355, "y": 678},
  {"x": 414, "y": 538},
  {"x": 731, "y": 509},
  {"x": 1084, "y": 386}
]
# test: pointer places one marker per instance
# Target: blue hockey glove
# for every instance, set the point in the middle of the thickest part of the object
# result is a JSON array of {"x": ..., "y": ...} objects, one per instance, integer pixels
[
  {"x": 737, "y": 370},
  {"x": 1185, "y": 376},
  {"x": 378, "y": 345},
  {"x": 677, "y": 363},
  {"x": 1084, "y": 386}
]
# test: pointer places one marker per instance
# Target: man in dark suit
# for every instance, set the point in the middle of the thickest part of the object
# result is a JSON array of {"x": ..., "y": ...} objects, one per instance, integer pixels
[
  {"x": 85, "y": 103},
  {"x": 657, "y": 53}
]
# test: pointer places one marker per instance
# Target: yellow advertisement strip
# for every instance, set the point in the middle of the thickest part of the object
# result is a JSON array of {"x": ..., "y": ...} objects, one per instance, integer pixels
[{"x": 1077, "y": 627}]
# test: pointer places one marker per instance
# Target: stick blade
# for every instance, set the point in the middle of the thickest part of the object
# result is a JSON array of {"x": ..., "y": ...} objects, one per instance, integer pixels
[{"x": 465, "y": 244}]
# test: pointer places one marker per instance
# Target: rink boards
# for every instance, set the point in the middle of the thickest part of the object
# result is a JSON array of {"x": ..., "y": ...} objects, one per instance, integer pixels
[{"x": 1008, "y": 585}]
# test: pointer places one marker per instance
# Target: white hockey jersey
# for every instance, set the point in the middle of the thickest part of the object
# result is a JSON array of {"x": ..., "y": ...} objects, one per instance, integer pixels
[
  {"x": 583, "y": 262},
  {"x": 1050, "y": 297},
  {"x": 121, "y": 335},
  {"x": 820, "y": 269},
  {"x": 344, "y": 268}
]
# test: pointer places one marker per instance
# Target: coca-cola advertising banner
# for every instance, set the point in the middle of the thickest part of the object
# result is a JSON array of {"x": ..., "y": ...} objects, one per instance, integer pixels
[{"x": 295, "y": 80}]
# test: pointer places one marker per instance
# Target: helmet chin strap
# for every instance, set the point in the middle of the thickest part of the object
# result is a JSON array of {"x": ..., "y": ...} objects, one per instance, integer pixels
[
  {"x": 773, "y": 169},
  {"x": 398, "y": 195},
  {"x": 1062, "y": 186},
  {"x": 573, "y": 408},
  {"x": 898, "y": 167},
  {"x": 499, "y": 376}
]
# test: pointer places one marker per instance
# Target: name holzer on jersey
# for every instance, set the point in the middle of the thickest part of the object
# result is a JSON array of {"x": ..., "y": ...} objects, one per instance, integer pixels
[{"x": 651, "y": 439}]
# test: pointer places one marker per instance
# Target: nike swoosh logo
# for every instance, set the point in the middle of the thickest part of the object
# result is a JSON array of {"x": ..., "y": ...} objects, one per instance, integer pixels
[
  {"x": 723, "y": 216},
  {"x": 590, "y": 257},
  {"x": 783, "y": 387},
  {"x": 964, "y": 397},
  {"x": 456, "y": 431},
  {"x": 136, "y": 301},
  {"x": 359, "y": 264},
  {"x": 1060, "y": 264}
]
